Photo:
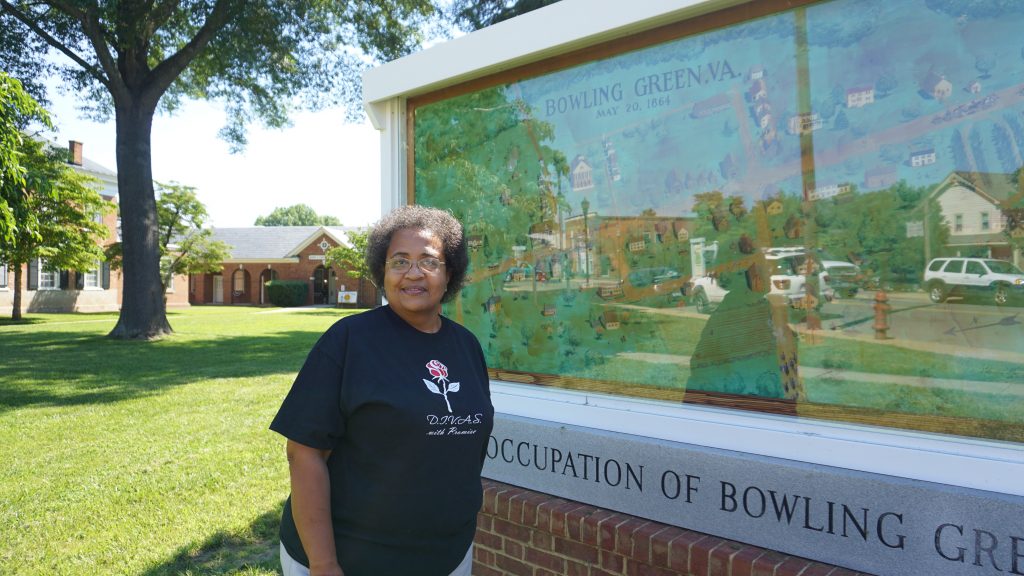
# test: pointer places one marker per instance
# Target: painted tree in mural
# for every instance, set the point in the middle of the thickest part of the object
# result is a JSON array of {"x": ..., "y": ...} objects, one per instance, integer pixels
[
  {"x": 258, "y": 57},
  {"x": 502, "y": 175}
]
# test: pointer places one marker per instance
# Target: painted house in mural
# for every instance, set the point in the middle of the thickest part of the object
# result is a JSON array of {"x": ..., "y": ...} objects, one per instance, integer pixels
[
  {"x": 260, "y": 254},
  {"x": 860, "y": 96},
  {"x": 804, "y": 123},
  {"x": 936, "y": 86},
  {"x": 95, "y": 290},
  {"x": 828, "y": 191},
  {"x": 920, "y": 158},
  {"x": 880, "y": 177},
  {"x": 973, "y": 207},
  {"x": 582, "y": 173}
]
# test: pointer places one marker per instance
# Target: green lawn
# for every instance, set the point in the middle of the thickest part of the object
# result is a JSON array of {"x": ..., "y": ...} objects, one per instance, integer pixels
[{"x": 146, "y": 458}]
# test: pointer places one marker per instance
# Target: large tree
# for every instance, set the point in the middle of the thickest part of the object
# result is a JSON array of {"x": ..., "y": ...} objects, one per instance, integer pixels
[
  {"x": 56, "y": 215},
  {"x": 258, "y": 57},
  {"x": 186, "y": 247},
  {"x": 296, "y": 215}
]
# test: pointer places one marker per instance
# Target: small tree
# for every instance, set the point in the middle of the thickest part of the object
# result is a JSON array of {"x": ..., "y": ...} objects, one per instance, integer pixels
[
  {"x": 185, "y": 246},
  {"x": 56, "y": 217},
  {"x": 17, "y": 110},
  {"x": 351, "y": 259},
  {"x": 297, "y": 215}
]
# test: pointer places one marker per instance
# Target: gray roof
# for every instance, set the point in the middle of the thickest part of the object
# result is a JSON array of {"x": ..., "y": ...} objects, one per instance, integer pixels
[{"x": 269, "y": 242}]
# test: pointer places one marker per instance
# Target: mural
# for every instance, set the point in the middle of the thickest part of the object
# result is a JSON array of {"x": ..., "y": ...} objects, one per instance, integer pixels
[{"x": 806, "y": 213}]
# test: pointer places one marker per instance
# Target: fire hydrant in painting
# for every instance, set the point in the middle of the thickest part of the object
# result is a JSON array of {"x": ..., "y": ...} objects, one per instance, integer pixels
[{"x": 882, "y": 308}]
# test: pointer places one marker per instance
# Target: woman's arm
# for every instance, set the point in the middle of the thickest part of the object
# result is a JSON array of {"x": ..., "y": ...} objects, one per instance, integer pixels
[{"x": 311, "y": 507}]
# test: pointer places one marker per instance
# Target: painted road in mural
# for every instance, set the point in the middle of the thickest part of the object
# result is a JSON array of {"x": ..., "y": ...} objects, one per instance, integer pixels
[{"x": 703, "y": 200}]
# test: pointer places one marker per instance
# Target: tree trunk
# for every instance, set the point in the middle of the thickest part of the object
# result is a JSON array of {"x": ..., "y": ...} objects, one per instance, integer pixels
[
  {"x": 143, "y": 312},
  {"x": 16, "y": 305}
]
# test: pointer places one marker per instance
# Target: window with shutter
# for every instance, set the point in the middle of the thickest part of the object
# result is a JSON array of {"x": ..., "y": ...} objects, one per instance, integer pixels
[{"x": 48, "y": 279}]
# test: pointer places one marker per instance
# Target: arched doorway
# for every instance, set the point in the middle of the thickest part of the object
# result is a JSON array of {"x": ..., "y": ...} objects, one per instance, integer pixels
[
  {"x": 267, "y": 275},
  {"x": 321, "y": 287},
  {"x": 240, "y": 286},
  {"x": 218, "y": 289}
]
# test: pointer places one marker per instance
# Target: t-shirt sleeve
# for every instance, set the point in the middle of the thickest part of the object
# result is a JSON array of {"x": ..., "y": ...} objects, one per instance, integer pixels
[{"x": 311, "y": 412}]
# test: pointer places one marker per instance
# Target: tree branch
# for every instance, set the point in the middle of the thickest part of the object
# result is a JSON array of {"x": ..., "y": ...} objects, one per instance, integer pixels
[
  {"x": 96, "y": 35},
  {"x": 167, "y": 71},
  {"x": 162, "y": 12},
  {"x": 171, "y": 223},
  {"x": 24, "y": 19}
]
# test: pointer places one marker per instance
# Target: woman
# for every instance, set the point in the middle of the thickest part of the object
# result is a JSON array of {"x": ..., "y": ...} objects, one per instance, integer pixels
[{"x": 388, "y": 420}]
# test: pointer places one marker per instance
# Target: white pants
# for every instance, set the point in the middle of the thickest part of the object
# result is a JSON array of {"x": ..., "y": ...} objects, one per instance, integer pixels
[{"x": 291, "y": 567}]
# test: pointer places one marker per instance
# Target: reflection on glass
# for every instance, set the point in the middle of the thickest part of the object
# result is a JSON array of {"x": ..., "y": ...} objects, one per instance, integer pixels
[{"x": 777, "y": 215}]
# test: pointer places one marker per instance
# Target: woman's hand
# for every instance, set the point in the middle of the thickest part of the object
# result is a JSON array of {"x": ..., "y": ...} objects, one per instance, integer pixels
[{"x": 332, "y": 569}]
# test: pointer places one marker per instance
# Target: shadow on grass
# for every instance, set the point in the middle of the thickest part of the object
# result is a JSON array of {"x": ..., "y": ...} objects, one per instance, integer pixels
[
  {"x": 22, "y": 322},
  {"x": 52, "y": 368},
  {"x": 229, "y": 553}
]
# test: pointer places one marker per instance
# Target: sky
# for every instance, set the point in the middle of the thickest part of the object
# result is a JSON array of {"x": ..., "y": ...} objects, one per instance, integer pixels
[{"x": 320, "y": 161}]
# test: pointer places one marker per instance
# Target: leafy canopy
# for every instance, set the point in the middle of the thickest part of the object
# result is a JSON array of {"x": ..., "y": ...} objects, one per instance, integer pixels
[
  {"x": 296, "y": 215},
  {"x": 17, "y": 111},
  {"x": 58, "y": 214},
  {"x": 351, "y": 259},
  {"x": 259, "y": 58},
  {"x": 476, "y": 14}
]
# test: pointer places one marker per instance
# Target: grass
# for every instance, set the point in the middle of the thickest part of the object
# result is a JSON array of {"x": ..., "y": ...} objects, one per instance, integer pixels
[
  {"x": 155, "y": 459},
  {"x": 146, "y": 458}
]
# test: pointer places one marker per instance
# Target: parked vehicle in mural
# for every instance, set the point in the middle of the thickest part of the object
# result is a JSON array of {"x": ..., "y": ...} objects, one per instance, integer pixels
[
  {"x": 998, "y": 280},
  {"x": 788, "y": 268},
  {"x": 844, "y": 278},
  {"x": 648, "y": 276}
]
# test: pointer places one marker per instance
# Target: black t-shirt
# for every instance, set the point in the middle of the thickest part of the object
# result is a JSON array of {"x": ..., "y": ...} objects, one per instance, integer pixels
[{"x": 407, "y": 416}]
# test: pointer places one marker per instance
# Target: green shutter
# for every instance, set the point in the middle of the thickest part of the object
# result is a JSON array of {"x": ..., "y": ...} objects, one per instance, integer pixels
[{"x": 33, "y": 274}]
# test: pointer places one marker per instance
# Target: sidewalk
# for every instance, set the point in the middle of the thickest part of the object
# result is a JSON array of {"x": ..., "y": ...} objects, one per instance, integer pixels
[{"x": 809, "y": 336}]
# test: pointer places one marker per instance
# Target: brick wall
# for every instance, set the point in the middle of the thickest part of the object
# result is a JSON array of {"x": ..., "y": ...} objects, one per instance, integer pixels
[{"x": 526, "y": 533}]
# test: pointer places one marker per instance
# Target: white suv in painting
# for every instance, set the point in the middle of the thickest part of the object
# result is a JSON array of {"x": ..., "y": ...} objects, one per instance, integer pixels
[
  {"x": 996, "y": 279},
  {"x": 787, "y": 267}
]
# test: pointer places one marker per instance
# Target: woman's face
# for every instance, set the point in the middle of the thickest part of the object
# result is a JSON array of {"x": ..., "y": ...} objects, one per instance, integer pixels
[{"x": 415, "y": 294}]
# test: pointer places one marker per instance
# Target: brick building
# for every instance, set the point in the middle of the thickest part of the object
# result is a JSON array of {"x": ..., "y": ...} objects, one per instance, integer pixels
[
  {"x": 96, "y": 290},
  {"x": 260, "y": 254}
]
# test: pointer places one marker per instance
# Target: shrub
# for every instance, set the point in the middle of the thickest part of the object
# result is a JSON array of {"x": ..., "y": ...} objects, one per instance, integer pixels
[{"x": 286, "y": 293}]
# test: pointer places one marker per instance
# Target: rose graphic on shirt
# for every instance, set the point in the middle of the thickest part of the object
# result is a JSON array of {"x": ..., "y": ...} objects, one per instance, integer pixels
[{"x": 439, "y": 372}]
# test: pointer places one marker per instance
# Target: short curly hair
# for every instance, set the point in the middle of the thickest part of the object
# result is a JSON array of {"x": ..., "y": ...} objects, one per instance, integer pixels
[{"x": 441, "y": 223}]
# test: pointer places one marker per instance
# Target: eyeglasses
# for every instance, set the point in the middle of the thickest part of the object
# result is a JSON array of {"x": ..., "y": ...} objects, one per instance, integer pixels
[{"x": 400, "y": 265}]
